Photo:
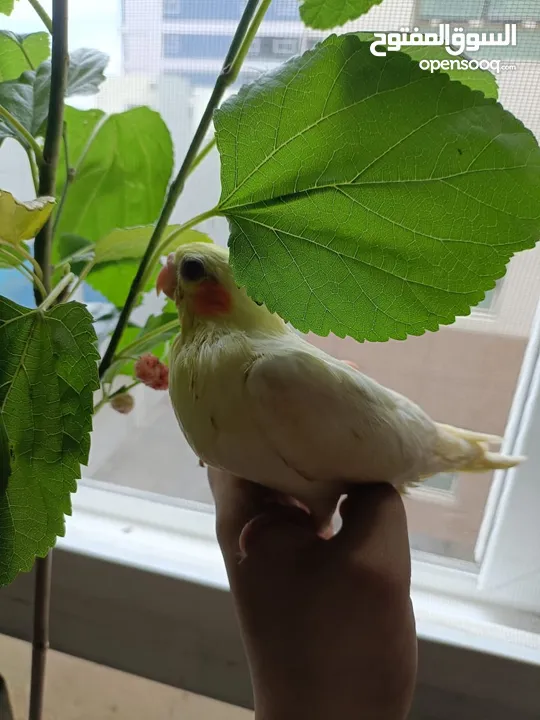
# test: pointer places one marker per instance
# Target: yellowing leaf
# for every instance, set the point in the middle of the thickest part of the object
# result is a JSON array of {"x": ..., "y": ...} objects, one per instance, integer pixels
[{"x": 22, "y": 220}]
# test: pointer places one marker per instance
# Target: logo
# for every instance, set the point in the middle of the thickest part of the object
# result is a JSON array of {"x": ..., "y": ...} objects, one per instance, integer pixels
[{"x": 455, "y": 42}]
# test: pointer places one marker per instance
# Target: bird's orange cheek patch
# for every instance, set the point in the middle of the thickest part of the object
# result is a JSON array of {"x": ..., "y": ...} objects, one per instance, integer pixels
[{"x": 211, "y": 298}]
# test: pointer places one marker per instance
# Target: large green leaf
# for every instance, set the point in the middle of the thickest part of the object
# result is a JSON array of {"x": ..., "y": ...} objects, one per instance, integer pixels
[
  {"x": 21, "y": 52},
  {"x": 22, "y": 220},
  {"x": 481, "y": 80},
  {"x": 48, "y": 372},
  {"x": 122, "y": 178},
  {"x": 368, "y": 197},
  {"x": 117, "y": 257},
  {"x": 326, "y": 14},
  {"x": 27, "y": 98}
]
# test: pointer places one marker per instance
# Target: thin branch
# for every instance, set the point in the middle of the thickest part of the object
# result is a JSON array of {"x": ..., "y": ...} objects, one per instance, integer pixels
[
  {"x": 42, "y": 14},
  {"x": 82, "y": 277},
  {"x": 70, "y": 177},
  {"x": 250, "y": 36},
  {"x": 226, "y": 77},
  {"x": 167, "y": 240},
  {"x": 53, "y": 296},
  {"x": 42, "y": 254},
  {"x": 23, "y": 252},
  {"x": 204, "y": 152},
  {"x": 55, "y": 124},
  {"x": 11, "y": 251},
  {"x": 143, "y": 340},
  {"x": 33, "y": 169},
  {"x": 40, "y": 644},
  {"x": 22, "y": 132}
]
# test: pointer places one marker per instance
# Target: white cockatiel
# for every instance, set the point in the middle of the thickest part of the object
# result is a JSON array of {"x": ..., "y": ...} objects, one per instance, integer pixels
[{"x": 255, "y": 399}]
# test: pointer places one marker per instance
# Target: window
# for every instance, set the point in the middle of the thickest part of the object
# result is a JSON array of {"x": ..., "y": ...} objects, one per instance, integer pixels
[
  {"x": 202, "y": 9},
  {"x": 450, "y": 9},
  {"x": 284, "y": 47},
  {"x": 512, "y": 11},
  {"x": 283, "y": 10},
  {"x": 255, "y": 49},
  {"x": 193, "y": 46},
  {"x": 274, "y": 48}
]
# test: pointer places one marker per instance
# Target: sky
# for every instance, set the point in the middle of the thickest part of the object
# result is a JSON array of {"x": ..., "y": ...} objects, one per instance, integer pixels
[{"x": 93, "y": 23}]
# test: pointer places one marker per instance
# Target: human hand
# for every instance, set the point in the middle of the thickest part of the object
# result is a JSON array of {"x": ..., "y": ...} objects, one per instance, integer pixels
[{"x": 327, "y": 624}]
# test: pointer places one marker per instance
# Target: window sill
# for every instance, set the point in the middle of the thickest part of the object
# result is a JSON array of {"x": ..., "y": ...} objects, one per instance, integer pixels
[{"x": 140, "y": 585}]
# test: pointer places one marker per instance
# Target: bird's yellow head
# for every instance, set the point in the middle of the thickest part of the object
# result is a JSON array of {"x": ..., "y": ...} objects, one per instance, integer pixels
[{"x": 199, "y": 279}]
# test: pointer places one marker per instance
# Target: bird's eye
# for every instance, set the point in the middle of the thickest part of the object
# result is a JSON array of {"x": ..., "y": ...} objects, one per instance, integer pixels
[{"x": 192, "y": 269}]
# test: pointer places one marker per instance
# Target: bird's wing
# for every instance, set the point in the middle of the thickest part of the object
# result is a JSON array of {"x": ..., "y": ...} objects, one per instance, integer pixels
[{"x": 330, "y": 422}]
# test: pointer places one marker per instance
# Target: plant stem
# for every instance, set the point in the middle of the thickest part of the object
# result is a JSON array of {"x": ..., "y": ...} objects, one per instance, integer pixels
[
  {"x": 204, "y": 152},
  {"x": 42, "y": 254},
  {"x": 127, "y": 351},
  {"x": 226, "y": 77},
  {"x": 42, "y": 14},
  {"x": 82, "y": 277},
  {"x": 55, "y": 125},
  {"x": 21, "y": 251},
  {"x": 53, "y": 296},
  {"x": 248, "y": 39},
  {"x": 165, "y": 241},
  {"x": 70, "y": 176},
  {"x": 33, "y": 169},
  {"x": 22, "y": 132},
  {"x": 20, "y": 266},
  {"x": 40, "y": 645}
]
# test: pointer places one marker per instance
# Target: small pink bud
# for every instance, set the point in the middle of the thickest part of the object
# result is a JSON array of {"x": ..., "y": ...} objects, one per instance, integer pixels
[
  {"x": 123, "y": 403},
  {"x": 152, "y": 372}
]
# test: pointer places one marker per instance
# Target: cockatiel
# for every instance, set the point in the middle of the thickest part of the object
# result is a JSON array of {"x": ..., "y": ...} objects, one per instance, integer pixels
[{"x": 253, "y": 398}]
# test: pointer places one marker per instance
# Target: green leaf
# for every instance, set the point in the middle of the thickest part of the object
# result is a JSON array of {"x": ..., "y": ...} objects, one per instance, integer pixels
[
  {"x": 6, "y": 6},
  {"x": 22, "y": 220},
  {"x": 132, "y": 242},
  {"x": 71, "y": 246},
  {"x": 21, "y": 52},
  {"x": 124, "y": 173},
  {"x": 117, "y": 257},
  {"x": 86, "y": 71},
  {"x": 80, "y": 127},
  {"x": 48, "y": 372},
  {"x": 327, "y": 14},
  {"x": 17, "y": 96},
  {"x": 27, "y": 98},
  {"x": 368, "y": 197},
  {"x": 481, "y": 80}
]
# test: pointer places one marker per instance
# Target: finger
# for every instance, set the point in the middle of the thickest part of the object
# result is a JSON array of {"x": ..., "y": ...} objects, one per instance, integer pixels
[
  {"x": 237, "y": 502},
  {"x": 277, "y": 532},
  {"x": 374, "y": 530}
]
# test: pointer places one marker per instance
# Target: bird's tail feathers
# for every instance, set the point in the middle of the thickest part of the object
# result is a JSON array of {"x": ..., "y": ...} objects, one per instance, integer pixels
[{"x": 469, "y": 451}]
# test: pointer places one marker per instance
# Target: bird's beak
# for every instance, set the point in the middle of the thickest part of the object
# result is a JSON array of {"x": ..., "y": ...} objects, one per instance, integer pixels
[{"x": 166, "y": 280}]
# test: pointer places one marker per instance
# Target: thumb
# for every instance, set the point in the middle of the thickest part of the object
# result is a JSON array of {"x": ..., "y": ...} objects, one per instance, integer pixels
[
  {"x": 279, "y": 530},
  {"x": 253, "y": 519}
]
